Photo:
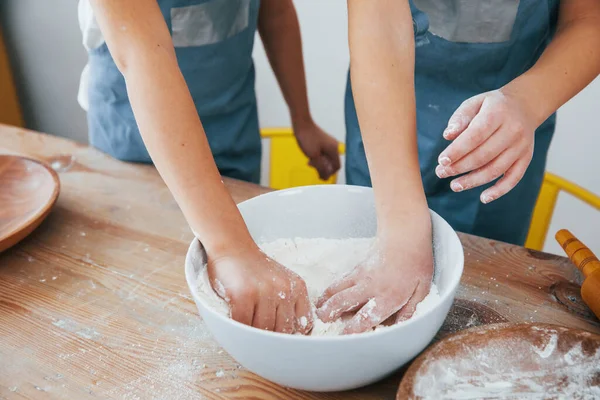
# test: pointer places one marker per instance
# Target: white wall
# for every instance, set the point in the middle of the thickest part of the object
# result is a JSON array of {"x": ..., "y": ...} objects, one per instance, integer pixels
[
  {"x": 44, "y": 43},
  {"x": 324, "y": 33},
  {"x": 44, "y": 40},
  {"x": 324, "y": 28},
  {"x": 575, "y": 155}
]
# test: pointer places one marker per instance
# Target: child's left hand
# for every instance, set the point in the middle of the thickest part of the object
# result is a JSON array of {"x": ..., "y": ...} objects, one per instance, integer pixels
[
  {"x": 394, "y": 277},
  {"x": 493, "y": 136}
]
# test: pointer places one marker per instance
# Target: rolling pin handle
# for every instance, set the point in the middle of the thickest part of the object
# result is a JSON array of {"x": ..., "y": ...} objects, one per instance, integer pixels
[{"x": 580, "y": 255}]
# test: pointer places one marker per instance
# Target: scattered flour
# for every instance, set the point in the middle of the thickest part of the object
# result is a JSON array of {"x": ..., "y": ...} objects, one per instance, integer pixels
[
  {"x": 548, "y": 348},
  {"x": 515, "y": 368},
  {"x": 319, "y": 262}
]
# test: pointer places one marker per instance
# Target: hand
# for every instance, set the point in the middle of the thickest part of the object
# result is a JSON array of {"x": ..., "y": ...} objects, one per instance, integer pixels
[
  {"x": 393, "y": 279},
  {"x": 320, "y": 148},
  {"x": 493, "y": 137},
  {"x": 261, "y": 292}
]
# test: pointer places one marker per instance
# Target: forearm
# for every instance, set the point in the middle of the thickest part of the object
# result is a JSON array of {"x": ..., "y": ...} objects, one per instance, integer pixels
[
  {"x": 571, "y": 61},
  {"x": 382, "y": 71},
  {"x": 280, "y": 33},
  {"x": 177, "y": 143},
  {"x": 168, "y": 120}
]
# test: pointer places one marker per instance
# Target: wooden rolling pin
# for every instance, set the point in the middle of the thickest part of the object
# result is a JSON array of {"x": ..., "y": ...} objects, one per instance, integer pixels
[{"x": 587, "y": 263}]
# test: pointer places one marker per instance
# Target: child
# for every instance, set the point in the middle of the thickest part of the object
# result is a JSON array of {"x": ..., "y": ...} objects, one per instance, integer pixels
[
  {"x": 487, "y": 74},
  {"x": 158, "y": 67},
  {"x": 213, "y": 43}
]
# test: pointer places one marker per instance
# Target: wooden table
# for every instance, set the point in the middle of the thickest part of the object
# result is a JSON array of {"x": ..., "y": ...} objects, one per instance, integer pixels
[{"x": 95, "y": 305}]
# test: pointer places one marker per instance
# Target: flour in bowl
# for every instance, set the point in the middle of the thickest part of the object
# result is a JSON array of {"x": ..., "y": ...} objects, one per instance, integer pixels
[{"x": 319, "y": 262}]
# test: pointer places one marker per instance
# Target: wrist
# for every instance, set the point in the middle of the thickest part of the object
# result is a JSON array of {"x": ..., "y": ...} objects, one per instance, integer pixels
[
  {"x": 400, "y": 199},
  {"x": 531, "y": 100},
  {"x": 302, "y": 121},
  {"x": 410, "y": 221},
  {"x": 229, "y": 244}
]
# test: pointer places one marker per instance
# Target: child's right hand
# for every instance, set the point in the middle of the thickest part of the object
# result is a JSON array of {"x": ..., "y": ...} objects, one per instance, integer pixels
[{"x": 261, "y": 292}]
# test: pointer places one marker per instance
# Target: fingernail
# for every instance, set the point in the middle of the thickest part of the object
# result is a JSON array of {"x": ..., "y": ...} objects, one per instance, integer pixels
[
  {"x": 457, "y": 187},
  {"x": 444, "y": 161},
  {"x": 486, "y": 198},
  {"x": 450, "y": 129},
  {"x": 441, "y": 172},
  {"x": 303, "y": 321}
]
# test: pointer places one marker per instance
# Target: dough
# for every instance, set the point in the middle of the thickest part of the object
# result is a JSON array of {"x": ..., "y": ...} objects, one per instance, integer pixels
[{"x": 319, "y": 262}]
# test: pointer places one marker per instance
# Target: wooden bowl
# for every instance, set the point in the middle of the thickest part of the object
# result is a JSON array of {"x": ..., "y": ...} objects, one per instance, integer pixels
[
  {"x": 28, "y": 190},
  {"x": 508, "y": 361}
]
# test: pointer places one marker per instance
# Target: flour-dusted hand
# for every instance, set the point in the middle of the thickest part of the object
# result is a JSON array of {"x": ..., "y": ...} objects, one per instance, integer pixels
[
  {"x": 395, "y": 276},
  {"x": 319, "y": 147},
  {"x": 493, "y": 136},
  {"x": 261, "y": 292}
]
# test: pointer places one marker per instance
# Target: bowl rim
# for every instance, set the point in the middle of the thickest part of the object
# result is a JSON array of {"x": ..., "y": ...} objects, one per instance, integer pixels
[{"x": 191, "y": 281}]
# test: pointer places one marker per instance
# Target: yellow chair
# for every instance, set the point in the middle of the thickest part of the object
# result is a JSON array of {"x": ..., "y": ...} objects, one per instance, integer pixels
[
  {"x": 544, "y": 208},
  {"x": 288, "y": 165},
  {"x": 10, "y": 110}
]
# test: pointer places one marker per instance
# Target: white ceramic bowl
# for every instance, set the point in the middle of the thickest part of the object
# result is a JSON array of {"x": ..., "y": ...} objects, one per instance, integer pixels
[{"x": 327, "y": 363}]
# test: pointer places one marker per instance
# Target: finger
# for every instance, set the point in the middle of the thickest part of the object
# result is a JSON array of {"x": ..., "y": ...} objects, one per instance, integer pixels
[
  {"x": 480, "y": 156},
  {"x": 304, "y": 315},
  {"x": 265, "y": 315},
  {"x": 510, "y": 179},
  {"x": 371, "y": 314},
  {"x": 286, "y": 317},
  {"x": 322, "y": 166},
  {"x": 336, "y": 287},
  {"x": 242, "y": 311},
  {"x": 219, "y": 289},
  {"x": 333, "y": 155},
  {"x": 345, "y": 301},
  {"x": 329, "y": 170},
  {"x": 421, "y": 291},
  {"x": 485, "y": 123},
  {"x": 486, "y": 174},
  {"x": 462, "y": 117}
]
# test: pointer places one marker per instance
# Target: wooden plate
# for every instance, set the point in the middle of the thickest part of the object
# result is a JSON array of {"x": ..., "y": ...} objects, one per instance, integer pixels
[
  {"x": 28, "y": 190},
  {"x": 508, "y": 361}
]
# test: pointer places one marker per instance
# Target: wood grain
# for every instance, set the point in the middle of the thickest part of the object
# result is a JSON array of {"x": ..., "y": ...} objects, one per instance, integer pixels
[
  {"x": 514, "y": 360},
  {"x": 29, "y": 190},
  {"x": 94, "y": 303}
]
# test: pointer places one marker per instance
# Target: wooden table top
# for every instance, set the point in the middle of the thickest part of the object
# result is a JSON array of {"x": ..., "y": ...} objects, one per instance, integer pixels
[{"x": 94, "y": 304}]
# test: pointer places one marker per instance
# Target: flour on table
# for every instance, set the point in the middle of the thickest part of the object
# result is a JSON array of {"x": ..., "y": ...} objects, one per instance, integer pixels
[
  {"x": 511, "y": 369},
  {"x": 319, "y": 262}
]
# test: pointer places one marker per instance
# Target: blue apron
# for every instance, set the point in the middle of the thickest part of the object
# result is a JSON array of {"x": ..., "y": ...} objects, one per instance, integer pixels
[
  {"x": 461, "y": 58},
  {"x": 213, "y": 41}
]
